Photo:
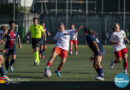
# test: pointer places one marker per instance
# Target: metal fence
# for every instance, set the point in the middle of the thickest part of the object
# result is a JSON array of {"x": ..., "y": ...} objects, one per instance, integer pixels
[{"x": 101, "y": 22}]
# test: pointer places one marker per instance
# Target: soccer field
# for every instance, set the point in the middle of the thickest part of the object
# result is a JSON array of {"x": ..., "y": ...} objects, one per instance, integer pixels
[{"x": 76, "y": 69}]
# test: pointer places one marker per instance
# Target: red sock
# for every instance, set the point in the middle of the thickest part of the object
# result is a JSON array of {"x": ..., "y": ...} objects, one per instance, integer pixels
[
  {"x": 125, "y": 65},
  {"x": 59, "y": 68},
  {"x": 115, "y": 61},
  {"x": 70, "y": 49},
  {"x": 49, "y": 64}
]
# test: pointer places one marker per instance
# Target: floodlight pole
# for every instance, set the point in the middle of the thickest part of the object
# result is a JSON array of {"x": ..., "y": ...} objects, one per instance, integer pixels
[
  {"x": 56, "y": 8},
  {"x": 124, "y": 14},
  {"x": 14, "y": 9},
  {"x": 67, "y": 14},
  {"x": 118, "y": 6},
  {"x": 102, "y": 6},
  {"x": 86, "y": 11},
  {"x": 71, "y": 7}
]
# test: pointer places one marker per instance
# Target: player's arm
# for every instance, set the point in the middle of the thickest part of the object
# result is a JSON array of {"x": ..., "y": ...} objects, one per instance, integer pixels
[
  {"x": 56, "y": 36},
  {"x": 77, "y": 30},
  {"x": 115, "y": 42},
  {"x": 19, "y": 42},
  {"x": 126, "y": 39},
  {"x": 112, "y": 40},
  {"x": 29, "y": 31},
  {"x": 95, "y": 44},
  {"x": 48, "y": 33}
]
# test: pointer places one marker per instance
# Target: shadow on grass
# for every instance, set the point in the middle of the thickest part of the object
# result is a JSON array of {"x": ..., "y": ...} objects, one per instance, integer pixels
[{"x": 64, "y": 85}]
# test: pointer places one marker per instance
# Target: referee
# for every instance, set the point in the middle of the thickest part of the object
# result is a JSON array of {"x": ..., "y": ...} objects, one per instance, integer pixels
[{"x": 36, "y": 31}]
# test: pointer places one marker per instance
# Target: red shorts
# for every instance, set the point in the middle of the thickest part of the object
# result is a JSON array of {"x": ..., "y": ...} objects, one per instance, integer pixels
[
  {"x": 120, "y": 53},
  {"x": 62, "y": 53},
  {"x": 73, "y": 41}
]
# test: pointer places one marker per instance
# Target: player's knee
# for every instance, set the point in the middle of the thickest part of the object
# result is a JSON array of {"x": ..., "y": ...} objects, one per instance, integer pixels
[{"x": 119, "y": 61}]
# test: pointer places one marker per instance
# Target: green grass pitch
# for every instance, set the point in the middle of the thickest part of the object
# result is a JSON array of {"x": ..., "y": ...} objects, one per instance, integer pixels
[{"x": 76, "y": 69}]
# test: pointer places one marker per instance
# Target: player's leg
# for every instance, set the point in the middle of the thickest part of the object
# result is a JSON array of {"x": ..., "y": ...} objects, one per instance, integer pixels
[
  {"x": 98, "y": 68},
  {"x": 44, "y": 48},
  {"x": 1, "y": 68},
  {"x": 125, "y": 63},
  {"x": 76, "y": 47},
  {"x": 36, "y": 44},
  {"x": 36, "y": 55},
  {"x": 51, "y": 59},
  {"x": 63, "y": 56},
  {"x": 60, "y": 66},
  {"x": 71, "y": 47},
  {"x": 7, "y": 61},
  {"x": 13, "y": 58},
  {"x": 117, "y": 60},
  {"x": 41, "y": 52},
  {"x": 41, "y": 49}
]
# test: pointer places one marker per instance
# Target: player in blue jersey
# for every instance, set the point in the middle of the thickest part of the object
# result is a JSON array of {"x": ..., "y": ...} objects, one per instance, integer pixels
[
  {"x": 10, "y": 45},
  {"x": 43, "y": 45},
  {"x": 98, "y": 51}
]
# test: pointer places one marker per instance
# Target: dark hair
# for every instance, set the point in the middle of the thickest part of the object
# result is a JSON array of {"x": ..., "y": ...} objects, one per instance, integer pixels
[
  {"x": 87, "y": 30},
  {"x": 11, "y": 21},
  {"x": 91, "y": 32},
  {"x": 35, "y": 18},
  {"x": 42, "y": 22}
]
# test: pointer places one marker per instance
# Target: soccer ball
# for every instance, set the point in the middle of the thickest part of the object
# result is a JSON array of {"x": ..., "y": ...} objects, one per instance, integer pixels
[{"x": 47, "y": 73}]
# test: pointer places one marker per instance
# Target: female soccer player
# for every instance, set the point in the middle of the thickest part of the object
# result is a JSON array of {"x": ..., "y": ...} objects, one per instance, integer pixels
[
  {"x": 62, "y": 46},
  {"x": 10, "y": 45},
  {"x": 98, "y": 51},
  {"x": 2, "y": 61},
  {"x": 43, "y": 46},
  {"x": 117, "y": 39},
  {"x": 73, "y": 40}
]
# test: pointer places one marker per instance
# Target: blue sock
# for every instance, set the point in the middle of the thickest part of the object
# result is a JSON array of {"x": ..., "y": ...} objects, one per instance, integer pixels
[
  {"x": 2, "y": 71},
  {"x": 101, "y": 72},
  {"x": 7, "y": 64},
  {"x": 12, "y": 62},
  {"x": 46, "y": 68},
  {"x": 97, "y": 71}
]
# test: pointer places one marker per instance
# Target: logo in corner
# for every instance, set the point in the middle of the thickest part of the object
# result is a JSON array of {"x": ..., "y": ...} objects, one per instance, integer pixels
[
  {"x": 121, "y": 80},
  {"x": 2, "y": 81}
]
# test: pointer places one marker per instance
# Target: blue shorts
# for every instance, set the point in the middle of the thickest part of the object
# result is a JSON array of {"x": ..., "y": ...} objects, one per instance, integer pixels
[
  {"x": 97, "y": 53},
  {"x": 10, "y": 51}
]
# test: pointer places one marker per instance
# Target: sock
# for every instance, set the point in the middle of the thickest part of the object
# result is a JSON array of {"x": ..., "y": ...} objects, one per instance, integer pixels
[
  {"x": 2, "y": 71},
  {"x": 12, "y": 62},
  {"x": 59, "y": 68},
  {"x": 101, "y": 72},
  {"x": 48, "y": 64},
  {"x": 71, "y": 50},
  {"x": 36, "y": 57},
  {"x": 115, "y": 61},
  {"x": 125, "y": 65},
  {"x": 97, "y": 71},
  {"x": 7, "y": 64}
]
